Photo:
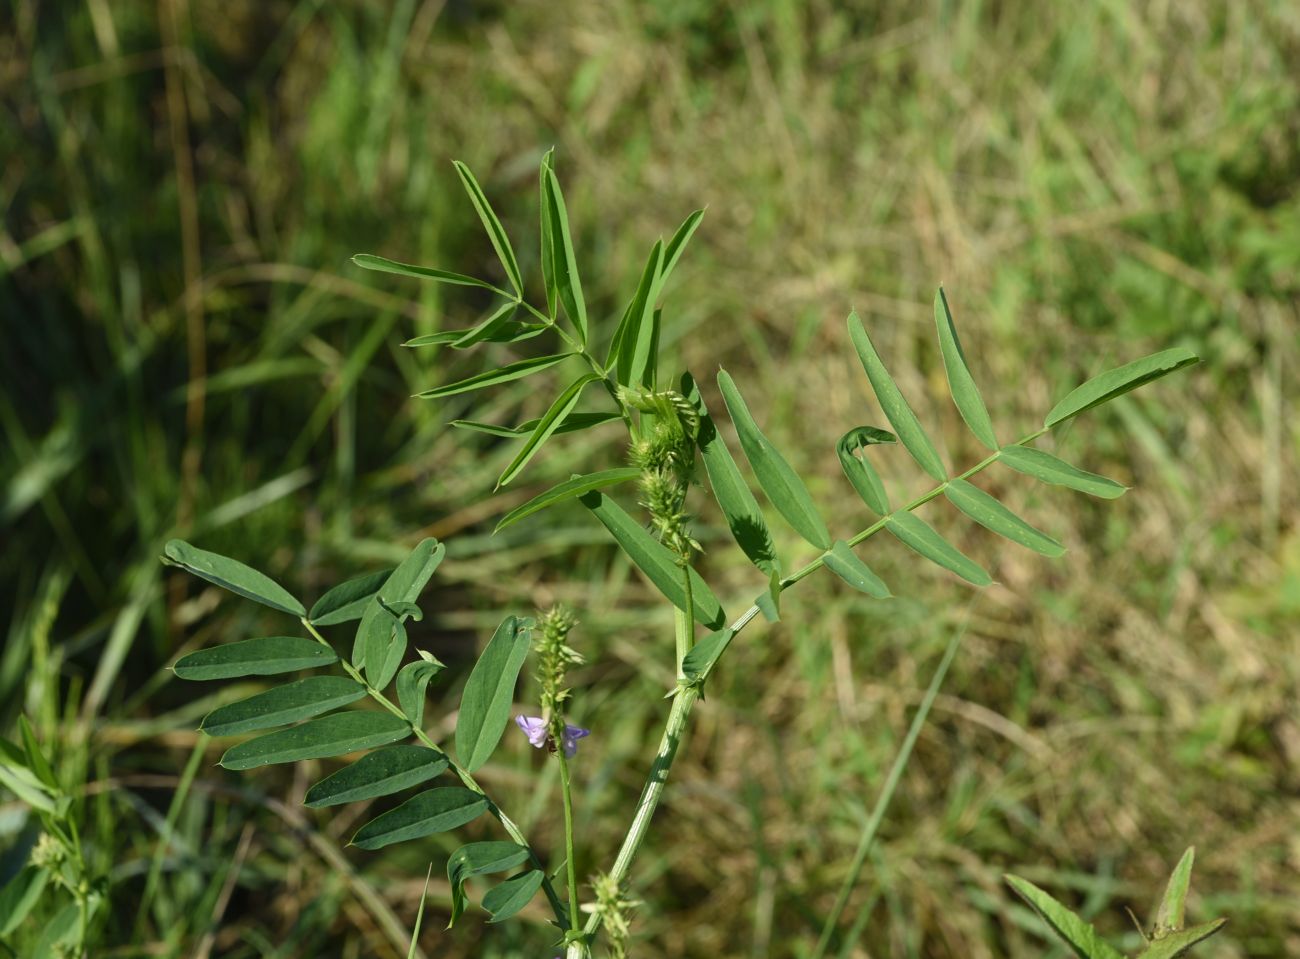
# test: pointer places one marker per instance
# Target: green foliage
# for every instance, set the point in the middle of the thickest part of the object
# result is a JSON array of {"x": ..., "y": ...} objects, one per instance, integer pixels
[
  {"x": 232, "y": 575},
  {"x": 334, "y": 735},
  {"x": 283, "y": 704},
  {"x": 433, "y": 811},
  {"x": 267, "y": 656},
  {"x": 383, "y": 772},
  {"x": 489, "y": 692}
]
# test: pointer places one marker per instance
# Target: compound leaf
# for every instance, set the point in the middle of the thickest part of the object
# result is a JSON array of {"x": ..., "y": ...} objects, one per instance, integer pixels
[
  {"x": 965, "y": 394},
  {"x": 266, "y": 656},
  {"x": 320, "y": 738},
  {"x": 379, "y": 773},
  {"x": 1047, "y": 468},
  {"x": 379, "y": 631},
  {"x": 489, "y": 692},
  {"x": 284, "y": 704},
  {"x": 922, "y": 537},
  {"x": 432, "y": 811},
  {"x": 1106, "y": 386},
  {"x": 991, "y": 514},
  {"x": 232, "y": 575}
]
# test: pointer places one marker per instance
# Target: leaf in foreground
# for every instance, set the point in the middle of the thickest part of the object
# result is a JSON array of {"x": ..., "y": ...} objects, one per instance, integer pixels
[
  {"x": 509, "y": 897},
  {"x": 233, "y": 575},
  {"x": 347, "y": 601},
  {"x": 547, "y": 425},
  {"x": 477, "y": 859},
  {"x": 991, "y": 514},
  {"x": 489, "y": 693},
  {"x": 568, "y": 490},
  {"x": 432, "y": 811},
  {"x": 1107, "y": 386},
  {"x": 925, "y": 539},
  {"x": 965, "y": 394},
  {"x": 333, "y": 735},
  {"x": 502, "y": 374},
  {"x": 844, "y": 563},
  {"x": 1079, "y": 935},
  {"x": 1047, "y": 468},
  {"x": 283, "y": 704},
  {"x": 379, "y": 773},
  {"x": 265, "y": 656}
]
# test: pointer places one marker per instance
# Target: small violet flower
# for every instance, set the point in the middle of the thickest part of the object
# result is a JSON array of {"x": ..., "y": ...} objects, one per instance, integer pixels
[{"x": 534, "y": 728}]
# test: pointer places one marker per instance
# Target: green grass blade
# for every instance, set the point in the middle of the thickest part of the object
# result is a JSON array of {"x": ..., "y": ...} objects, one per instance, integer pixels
[
  {"x": 1075, "y": 932},
  {"x": 267, "y": 656},
  {"x": 509, "y": 897},
  {"x": 992, "y": 515},
  {"x": 502, "y": 374},
  {"x": 477, "y": 859},
  {"x": 489, "y": 693},
  {"x": 379, "y": 773},
  {"x": 844, "y": 563},
  {"x": 900, "y": 415},
  {"x": 369, "y": 261},
  {"x": 419, "y": 915},
  {"x": 1048, "y": 469},
  {"x": 655, "y": 560},
  {"x": 430, "y": 812},
  {"x": 1106, "y": 386},
  {"x": 569, "y": 489},
  {"x": 567, "y": 282},
  {"x": 232, "y": 575},
  {"x": 546, "y": 426},
  {"x": 965, "y": 394},
  {"x": 852, "y": 453},
  {"x": 781, "y": 484},
  {"x": 495, "y": 231},
  {"x": 320, "y": 738},
  {"x": 284, "y": 704},
  {"x": 924, "y": 539},
  {"x": 347, "y": 601}
]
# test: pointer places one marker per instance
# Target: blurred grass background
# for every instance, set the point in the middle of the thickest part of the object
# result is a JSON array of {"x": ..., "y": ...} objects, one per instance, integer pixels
[{"x": 188, "y": 351}]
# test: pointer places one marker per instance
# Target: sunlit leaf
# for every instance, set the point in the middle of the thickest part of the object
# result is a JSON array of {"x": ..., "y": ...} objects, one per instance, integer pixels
[
  {"x": 546, "y": 426},
  {"x": 844, "y": 563},
  {"x": 509, "y": 897},
  {"x": 1176, "y": 944},
  {"x": 1105, "y": 387},
  {"x": 496, "y": 233},
  {"x": 369, "y": 261},
  {"x": 677, "y": 245},
  {"x": 922, "y": 537},
  {"x": 489, "y": 693},
  {"x": 965, "y": 394},
  {"x": 1047, "y": 468},
  {"x": 266, "y": 656},
  {"x": 21, "y": 893},
  {"x": 432, "y": 811},
  {"x": 852, "y": 453},
  {"x": 379, "y": 773},
  {"x": 549, "y": 273},
  {"x": 347, "y": 601},
  {"x": 573, "y": 423},
  {"x": 377, "y": 634},
  {"x": 284, "y": 704},
  {"x": 704, "y": 655},
  {"x": 1075, "y": 932},
  {"x": 781, "y": 484},
  {"x": 494, "y": 377},
  {"x": 629, "y": 352},
  {"x": 567, "y": 283},
  {"x": 320, "y": 738},
  {"x": 991, "y": 514},
  {"x": 477, "y": 859},
  {"x": 568, "y": 490},
  {"x": 1173, "y": 906},
  {"x": 899, "y": 413},
  {"x": 232, "y": 575}
]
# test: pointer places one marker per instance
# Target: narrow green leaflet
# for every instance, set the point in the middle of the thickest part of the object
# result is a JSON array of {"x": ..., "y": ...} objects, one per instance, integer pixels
[
  {"x": 567, "y": 283},
  {"x": 18, "y": 777},
  {"x": 23, "y": 891},
  {"x": 922, "y": 537},
  {"x": 432, "y": 811},
  {"x": 412, "y": 682},
  {"x": 320, "y": 738},
  {"x": 477, "y": 859},
  {"x": 989, "y": 513},
  {"x": 1105, "y": 387},
  {"x": 677, "y": 245},
  {"x": 630, "y": 348},
  {"x": 1176, "y": 944},
  {"x": 743, "y": 515},
  {"x": 489, "y": 692},
  {"x": 369, "y": 261},
  {"x": 569, "y": 489},
  {"x": 507, "y": 898},
  {"x": 379, "y": 773},
  {"x": 36, "y": 756},
  {"x": 655, "y": 560},
  {"x": 347, "y": 601},
  {"x": 965, "y": 394},
  {"x": 419, "y": 915},
  {"x": 267, "y": 656},
  {"x": 900, "y": 415},
  {"x": 844, "y": 563},
  {"x": 500, "y": 321},
  {"x": 502, "y": 374},
  {"x": 1047, "y": 468},
  {"x": 232, "y": 575},
  {"x": 1173, "y": 905},
  {"x": 852, "y": 452},
  {"x": 496, "y": 233},
  {"x": 573, "y": 423},
  {"x": 511, "y": 332},
  {"x": 1077, "y": 934},
  {"x": 284, "y": 704},
  {"x": 547, "y": 425},
  {"x": 549, "y": 275},
  {"x": 378, "y": 631},
  {"x": 781, "y": 484},
  {"x": 704, "y": 655}
]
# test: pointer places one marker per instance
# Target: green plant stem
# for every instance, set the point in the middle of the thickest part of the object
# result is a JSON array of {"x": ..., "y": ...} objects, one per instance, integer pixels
[
  {"x": 508, "y": 824},
  {"x": 684, "y": 623},
  {"x": 886, "y": 796},
  {"x": 686, "y": 696},
  {"x": 571, "y": 866}
]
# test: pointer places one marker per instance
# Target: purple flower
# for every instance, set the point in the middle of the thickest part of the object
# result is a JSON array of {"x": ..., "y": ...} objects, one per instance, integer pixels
[{"x": 535, "y": 728}]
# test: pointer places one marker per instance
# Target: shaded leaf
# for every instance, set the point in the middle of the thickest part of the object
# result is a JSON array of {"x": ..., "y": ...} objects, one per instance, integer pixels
[
  {"x": 852, "y": 450},
  {"x": 432, "y": 811},
  {"x": 965, "y": 394},
  {"x": 991, "y": 514},
  {"x": 1106, "y": 386},
  {"x": 266, "y": 656},
  {"x": 369, "y": 261},
  {"x": 412, "y": 682},
  {"x": 493, "y": 377},
  {"x": 569, "y": 489},
  {"x": 1075, "y": 932},
  {"x": 704, "y": 655},
  {"x": 347, "y": 601},
  {"x": 477, "y": 859},
  {"x": 284, "y": 704},
  {"x": 781, "y": 484},
  {"x": 379, "y": 773},
  {"x": 844, "y": 563},
  {"x": 567, "y": 283},
  {"x": 35, "y": 756},
  {"x": 512, "y": 332},
  {"x": 320, "y": 738},
  {"x": 378, "y": 631},
  {"x": 498, "y": 325},
  {"x": 897, "y": 410},
  {"x": 489, "y": 693},
  {"x": 1047, "y": 468},
  {"x": 549, "y": 275},
  {"x": 922, "y": 537},
  {"x": 548, "y": 424},
  {"x": 20, "y": 894},
  {"x": 17, "y": 776},
  {"x": 573, "y": 423},
  {"x": 232, "y": 575},
  {"x": 495, "y": 231},
  {"x": 507, "y": 898},
  {"x": 655, "y": 560}
]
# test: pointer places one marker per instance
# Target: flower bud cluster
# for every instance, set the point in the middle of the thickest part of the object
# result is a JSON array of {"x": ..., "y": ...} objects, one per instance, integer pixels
[
  {"x": 615, "y": 911},
  {"x": 665, "y": 454},
  {"x": 554, "y": 657}
]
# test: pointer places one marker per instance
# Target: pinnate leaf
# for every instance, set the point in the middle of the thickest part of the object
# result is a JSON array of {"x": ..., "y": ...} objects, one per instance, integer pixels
[
  {"x": 1105, "y": 387},
  {"x": 379, "y": 773},
  {"x": 1077, "y": 934},
  {"x": 379, "y": 631},
  {"x": 283, "y": 704},
  {"x": 432, "y": 811},
  {"x": 233, "y": 575},
  {"x": 477, "y": 859},
  {"x": 1048, "y": 469},
  {"x": 547, "y": 425},
  {"x": 965, "y": 394},
  {"x": 991, "y": 514},
  {"x": 489, "y": 692},
  {"x": 922, "y": 537},
  {"x": 569, "y": 489},
  {"x": 266, "y": 656},
  {"x": 320, "y": 738}
]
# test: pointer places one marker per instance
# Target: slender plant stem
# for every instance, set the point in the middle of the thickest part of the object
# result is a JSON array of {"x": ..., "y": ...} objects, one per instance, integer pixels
[
  {"x": 570, "y": 863},
  {"x": 684, "y": 624},
  {"x": 511, "y": 828},
  {"x": 887, "y": 791}
]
